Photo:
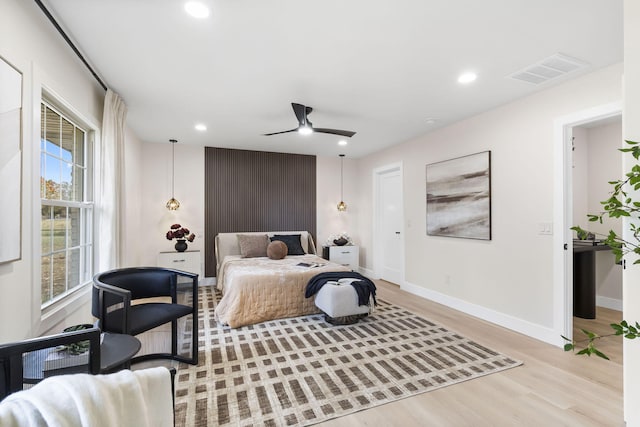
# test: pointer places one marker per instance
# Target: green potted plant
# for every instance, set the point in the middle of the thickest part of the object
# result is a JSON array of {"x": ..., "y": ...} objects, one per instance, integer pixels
[{"x": 619, "y": 204}]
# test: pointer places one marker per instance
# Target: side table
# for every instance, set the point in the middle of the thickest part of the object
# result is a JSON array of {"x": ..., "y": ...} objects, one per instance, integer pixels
[{"x": 116, "y": 351}]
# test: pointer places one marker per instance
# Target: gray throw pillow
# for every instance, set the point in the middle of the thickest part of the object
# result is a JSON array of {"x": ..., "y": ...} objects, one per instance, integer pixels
[{"x": 253, "y": 245}]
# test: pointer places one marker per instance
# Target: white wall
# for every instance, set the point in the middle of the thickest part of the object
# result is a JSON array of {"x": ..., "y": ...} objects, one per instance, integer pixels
[
  {"x": 605, "y": 164},
  {"x": 329, "y": 220},
  {"x": 30, "y": 43},
  {"x": 631, "y": 276},
  {"x": 508, "y": 279},
  {"x": 155, "y": 190},
  {"x": 581, "y": 177}
]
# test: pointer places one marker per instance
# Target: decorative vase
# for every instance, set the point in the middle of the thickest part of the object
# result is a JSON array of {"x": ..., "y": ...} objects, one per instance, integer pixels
[
  {"x": 340, "y": 242},
  {"x": 181, "y": 245}
]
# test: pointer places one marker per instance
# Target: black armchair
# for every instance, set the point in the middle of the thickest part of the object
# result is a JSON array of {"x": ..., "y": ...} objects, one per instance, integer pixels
[
  {"x": 115, "y": 290},
  {"x": 25, "y": 362}
]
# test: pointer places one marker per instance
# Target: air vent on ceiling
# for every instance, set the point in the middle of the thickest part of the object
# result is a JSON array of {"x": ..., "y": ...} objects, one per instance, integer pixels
[{"x": 550, "y": 68}]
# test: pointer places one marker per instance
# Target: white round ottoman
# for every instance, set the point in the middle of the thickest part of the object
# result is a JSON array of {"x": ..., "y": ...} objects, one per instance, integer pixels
[{"x": 339, "y": 302}]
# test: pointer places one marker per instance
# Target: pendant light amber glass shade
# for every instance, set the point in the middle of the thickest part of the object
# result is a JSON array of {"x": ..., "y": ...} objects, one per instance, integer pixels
[
  {"x": 342, "y": 206},
  {"x": 173, "y": 204}
]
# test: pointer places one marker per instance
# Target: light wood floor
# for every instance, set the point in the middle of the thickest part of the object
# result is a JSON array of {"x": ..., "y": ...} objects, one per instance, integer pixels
[{"x": 552, "y": 388}]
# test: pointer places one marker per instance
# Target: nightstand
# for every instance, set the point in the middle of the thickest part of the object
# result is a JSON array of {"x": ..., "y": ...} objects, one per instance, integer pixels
[
  {"x": 345, "y": 255},
  {"x": 185, "y": 261}
]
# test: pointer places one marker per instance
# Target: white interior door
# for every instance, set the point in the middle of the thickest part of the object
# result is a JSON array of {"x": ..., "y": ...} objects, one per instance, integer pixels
[{"x": 390, "y": 230}]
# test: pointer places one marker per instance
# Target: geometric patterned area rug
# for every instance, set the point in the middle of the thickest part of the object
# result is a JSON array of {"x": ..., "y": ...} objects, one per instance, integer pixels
[{"x": 301, "y": 371}]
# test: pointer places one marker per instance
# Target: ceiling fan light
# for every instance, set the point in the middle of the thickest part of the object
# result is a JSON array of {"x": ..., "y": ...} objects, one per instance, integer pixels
[{"x": 305, "y": 130}]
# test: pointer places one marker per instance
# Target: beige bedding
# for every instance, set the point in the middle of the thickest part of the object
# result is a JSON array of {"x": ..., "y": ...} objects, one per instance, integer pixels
[{"x": 260, "y": 289}]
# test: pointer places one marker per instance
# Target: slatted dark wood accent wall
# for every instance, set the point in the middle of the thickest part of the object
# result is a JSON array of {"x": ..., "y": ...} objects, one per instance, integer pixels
[{"x": 256, "y": 191}]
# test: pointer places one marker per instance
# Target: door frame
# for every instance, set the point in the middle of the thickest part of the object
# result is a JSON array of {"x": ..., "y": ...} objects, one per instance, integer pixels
[
  {"x": 563, "y": 212},
  {"x": 378, "y": 173}
]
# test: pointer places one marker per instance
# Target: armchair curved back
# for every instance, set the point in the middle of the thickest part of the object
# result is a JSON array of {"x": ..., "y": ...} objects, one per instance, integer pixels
[
  {"x": 141, "y": 282},
  {"x": 114, "y": 291}
]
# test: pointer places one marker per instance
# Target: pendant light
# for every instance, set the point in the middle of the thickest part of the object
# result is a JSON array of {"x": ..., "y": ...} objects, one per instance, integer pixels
[
  {"x": 342, "y": 206},
  {"x": 173, "y": 204}
]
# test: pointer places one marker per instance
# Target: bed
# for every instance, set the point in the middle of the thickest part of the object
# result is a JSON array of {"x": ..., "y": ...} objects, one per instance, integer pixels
[{"x": 256, "y": 289}]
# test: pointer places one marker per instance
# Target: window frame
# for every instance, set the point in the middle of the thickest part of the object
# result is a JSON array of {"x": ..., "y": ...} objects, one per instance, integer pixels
[{"x": 87, "y": 206}]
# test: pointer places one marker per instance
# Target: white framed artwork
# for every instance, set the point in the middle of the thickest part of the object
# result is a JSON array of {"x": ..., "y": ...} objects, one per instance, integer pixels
[{"x": 10, "y": 161}]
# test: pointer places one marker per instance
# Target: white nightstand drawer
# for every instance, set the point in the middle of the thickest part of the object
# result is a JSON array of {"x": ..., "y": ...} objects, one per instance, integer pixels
[
  {"x": 345, "y": 255},
  {"x": 185, "y": 261}
]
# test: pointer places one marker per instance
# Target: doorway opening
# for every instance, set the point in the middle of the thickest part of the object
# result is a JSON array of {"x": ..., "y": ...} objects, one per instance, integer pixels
[{"x": 578, "y": 191}]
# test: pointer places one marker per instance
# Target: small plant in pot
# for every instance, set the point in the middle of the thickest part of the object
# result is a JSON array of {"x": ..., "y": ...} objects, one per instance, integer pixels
[
  {"x": 182, "y": 235},
  {"x": 621, "y": 203}
]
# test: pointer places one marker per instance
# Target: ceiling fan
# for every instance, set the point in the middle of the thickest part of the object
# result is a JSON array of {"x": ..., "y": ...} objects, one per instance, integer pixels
[{"x": 305, "y": 127}]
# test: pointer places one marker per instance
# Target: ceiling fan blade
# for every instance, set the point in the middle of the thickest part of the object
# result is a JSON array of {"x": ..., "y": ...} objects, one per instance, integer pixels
[
  {"x": 277, "y": 133},
  {"x": 301, "y": 112},
  {"x": 346, "y": 133}
]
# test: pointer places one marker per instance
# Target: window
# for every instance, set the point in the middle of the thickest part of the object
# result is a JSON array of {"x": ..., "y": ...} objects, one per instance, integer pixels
[{"x": 66, "y": 195}]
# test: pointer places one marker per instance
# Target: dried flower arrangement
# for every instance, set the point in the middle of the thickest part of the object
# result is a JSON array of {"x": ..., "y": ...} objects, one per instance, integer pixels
[{"x": 179, "y": 232}]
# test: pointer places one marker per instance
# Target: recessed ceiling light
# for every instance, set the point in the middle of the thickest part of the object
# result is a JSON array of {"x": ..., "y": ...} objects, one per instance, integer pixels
[
  {"x": 467, "y": 78},
  {"x": 201, "y": 127},
  {"x": 342, "y": 142},
  {"x": 196, "y": 9}
]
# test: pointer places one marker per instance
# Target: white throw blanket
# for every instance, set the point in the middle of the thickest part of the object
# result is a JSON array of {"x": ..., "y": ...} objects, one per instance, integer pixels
[{"x": 125, "y": 398}]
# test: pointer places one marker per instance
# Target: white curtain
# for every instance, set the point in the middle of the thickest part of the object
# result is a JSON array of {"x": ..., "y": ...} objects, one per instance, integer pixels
[{"x": 110, "y": 209}]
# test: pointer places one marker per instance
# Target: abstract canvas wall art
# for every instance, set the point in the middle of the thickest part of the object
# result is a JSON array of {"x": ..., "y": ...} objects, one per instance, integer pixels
[
  {"x": 459, "y": 197},
  {"x": 10, "y": 161}
]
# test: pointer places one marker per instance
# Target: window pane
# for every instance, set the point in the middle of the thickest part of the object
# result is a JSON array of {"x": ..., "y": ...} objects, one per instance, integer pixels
[
  {"x": 87, "y": 218},
  {"x": 67, "y": 141},
  {"x": 47, "y": 229},
  {"x": 46, "y": 279},
  {"x": 42, "y": 127},
  {"x": 52, "y": 132},
  {"x": 74, "y": 227},
  {"x": 59, "y": 273},
  {"x": 43, "y": 194},
  {"x": 78, "y": 158},
  {"x": 52, "y": 178},
  {"x": 78, "y": 183},
  {"x": 59, "y": 228},
  {"x": 74, "y": 268},
  {"x": 66, "y": 189}
]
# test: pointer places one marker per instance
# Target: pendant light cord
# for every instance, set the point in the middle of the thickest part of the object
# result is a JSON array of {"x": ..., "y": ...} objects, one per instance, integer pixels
[
  {"x": 173, "y": 167},
  {"x": 341, "y": 176}
]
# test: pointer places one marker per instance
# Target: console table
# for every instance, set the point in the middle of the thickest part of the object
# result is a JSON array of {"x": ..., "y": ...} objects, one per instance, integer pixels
[{"x": 584, "y": 277}]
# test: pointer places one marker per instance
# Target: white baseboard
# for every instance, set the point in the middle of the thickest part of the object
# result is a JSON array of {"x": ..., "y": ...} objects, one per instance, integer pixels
[
  {"x": 207, "y": 281},
  {"x": 367, "y": 273},
  {"x": 611, "y": 303},
  {"x": 524, "y": 327}
]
